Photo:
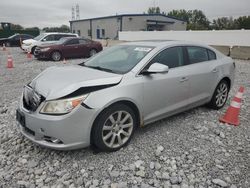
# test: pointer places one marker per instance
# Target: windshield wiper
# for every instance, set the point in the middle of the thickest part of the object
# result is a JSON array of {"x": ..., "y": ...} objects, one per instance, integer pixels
[
  {"x": 100, "y": 68},
  {"x": 82, "y": 64}
]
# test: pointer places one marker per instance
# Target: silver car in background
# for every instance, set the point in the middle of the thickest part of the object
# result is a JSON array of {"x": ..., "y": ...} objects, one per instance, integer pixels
[{"x": 103, "y": 100}]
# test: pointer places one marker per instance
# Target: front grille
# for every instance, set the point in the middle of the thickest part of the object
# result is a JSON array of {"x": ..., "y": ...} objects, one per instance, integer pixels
[{"x": 31, "y": 99}]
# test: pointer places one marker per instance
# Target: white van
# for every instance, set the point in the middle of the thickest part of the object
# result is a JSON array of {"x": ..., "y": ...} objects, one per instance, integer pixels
[{"x": 30, "y": 44}]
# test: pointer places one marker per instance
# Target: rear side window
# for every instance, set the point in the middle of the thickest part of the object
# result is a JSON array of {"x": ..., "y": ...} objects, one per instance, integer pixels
[
  {"x": 70, "y": 36},
  {"x": 197, "y": 54},
  {"x": 83, "y": 41},
  {"x": 172, "y": 57},
  {"x": 58, "y": 37},
  {"x": 211, "y": 55},
  {"x": 72, "y": 42}
]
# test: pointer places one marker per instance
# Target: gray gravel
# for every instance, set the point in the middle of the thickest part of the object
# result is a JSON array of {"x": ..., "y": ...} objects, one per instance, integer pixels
[{"x": 191, "y": 149}]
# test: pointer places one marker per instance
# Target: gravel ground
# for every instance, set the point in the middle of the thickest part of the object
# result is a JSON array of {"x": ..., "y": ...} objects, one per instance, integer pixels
[{"x": 191, "y": 149}]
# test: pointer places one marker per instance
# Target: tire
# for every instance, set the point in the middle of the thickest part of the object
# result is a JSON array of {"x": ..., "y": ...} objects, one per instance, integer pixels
[
  {"x": 110, "y": 133},
  {"x": 33, "y": 49},
  {"x": 220, "y": 95},
  {"x": 56, "y": 56},
  {"x": 92, "y": 52}
]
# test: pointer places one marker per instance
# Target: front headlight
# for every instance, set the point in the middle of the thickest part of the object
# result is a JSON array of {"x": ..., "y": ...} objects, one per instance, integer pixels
[
  {"x": 44, "y": 49},
  {"x": 62, "y": 106},
  {"x": 27, "y": 44}
]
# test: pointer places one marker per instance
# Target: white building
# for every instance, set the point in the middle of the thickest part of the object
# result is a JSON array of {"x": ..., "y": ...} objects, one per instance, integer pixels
[{"x": 109, "y": 26}]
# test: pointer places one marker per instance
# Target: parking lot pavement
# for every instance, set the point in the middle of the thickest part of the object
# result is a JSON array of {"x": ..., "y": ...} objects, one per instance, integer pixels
[{"x": 191, "y": 149}]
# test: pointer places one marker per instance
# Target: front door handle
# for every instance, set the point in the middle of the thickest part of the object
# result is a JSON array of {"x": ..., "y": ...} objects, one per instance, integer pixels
[
  {"x": 215, "y": 70},
  {"x": 183, "y": 79}
]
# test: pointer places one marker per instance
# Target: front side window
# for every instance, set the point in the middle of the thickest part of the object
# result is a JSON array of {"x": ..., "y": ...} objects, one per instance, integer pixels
[
  {"x": 49, "y": 38},
  {"x": 39, "y": 37},
  {"x": 119, "y": 59},
  {"x": 172, "y": 57},
  {"x": 197, "y": 54}
]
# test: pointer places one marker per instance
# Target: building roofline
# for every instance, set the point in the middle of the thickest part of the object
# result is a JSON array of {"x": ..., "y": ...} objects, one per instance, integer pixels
[
  {"x": 160, "y": 21},
  {"x": 126, "y": 15}
]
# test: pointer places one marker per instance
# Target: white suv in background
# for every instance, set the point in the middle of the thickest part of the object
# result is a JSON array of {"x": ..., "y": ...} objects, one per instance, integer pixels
[{"x": 30, "y": 44}]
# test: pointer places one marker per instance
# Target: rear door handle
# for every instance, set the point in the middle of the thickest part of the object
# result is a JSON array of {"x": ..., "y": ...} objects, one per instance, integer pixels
[
  {"x": 183, "y": 79},
  {"x": 215, "y": 70}
]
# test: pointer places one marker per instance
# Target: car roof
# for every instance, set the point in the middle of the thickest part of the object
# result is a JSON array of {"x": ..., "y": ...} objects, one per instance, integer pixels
[
  {"x": 68, "y": 38},
  {"x": 53, "y": 33},
  {"x": 162, "y": 43}
]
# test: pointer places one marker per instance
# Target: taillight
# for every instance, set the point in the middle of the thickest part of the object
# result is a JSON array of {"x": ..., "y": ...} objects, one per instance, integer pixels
[{"x": 234, "y": 64}]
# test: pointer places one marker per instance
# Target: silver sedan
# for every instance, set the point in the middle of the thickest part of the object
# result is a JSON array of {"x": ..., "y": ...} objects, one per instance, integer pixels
[{"x": 102, "y": 101}]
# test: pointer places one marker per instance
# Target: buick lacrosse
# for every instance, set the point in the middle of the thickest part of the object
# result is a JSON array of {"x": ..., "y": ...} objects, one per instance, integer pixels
[{"x": 103, "y": 100}]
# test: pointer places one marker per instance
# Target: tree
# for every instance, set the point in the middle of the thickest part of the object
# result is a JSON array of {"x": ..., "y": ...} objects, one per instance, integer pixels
[
  {"x": 32, "y": 28},
  {"x": 16, "y": 27},
  {"x": 181, "y": 14},
  {"x": 196, "y": 19},
  {"x": 154, "y": 10},
  {"x": 63, "y": 28},
  {"x": 223, "y": 23},
  {"x": 243, "y": 22}
]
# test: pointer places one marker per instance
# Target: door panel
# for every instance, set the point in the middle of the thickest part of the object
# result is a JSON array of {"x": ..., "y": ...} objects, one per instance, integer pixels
[
  {"x": 71, "y": 48},
  {"x": 203, "y": 74},
  {"x": 165, "y": 94},
  {"x": 202, "y": 78},
  {"x": 84, "y": 48}
]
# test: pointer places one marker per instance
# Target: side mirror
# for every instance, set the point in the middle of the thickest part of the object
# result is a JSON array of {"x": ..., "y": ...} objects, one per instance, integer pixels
[
  {"x": 44, "y": 40},
  {"x": 156, "y": 68}
]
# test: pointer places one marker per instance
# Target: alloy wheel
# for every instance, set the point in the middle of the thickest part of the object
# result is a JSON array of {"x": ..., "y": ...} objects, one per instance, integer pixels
[
  {"x": 92, "y": 52},
  {"x": 117, "y": 129},
  {"x": 221, "y": 96},
  {"x": 56, "y": 56}
]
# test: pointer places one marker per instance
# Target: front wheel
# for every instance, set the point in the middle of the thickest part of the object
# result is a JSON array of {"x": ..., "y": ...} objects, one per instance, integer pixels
[
  {"x": 114, "y": 128},
  {"x": 220, "y": 95},
  {"x": 56, "y": 56},
  {"x": 33, "y": 50}
]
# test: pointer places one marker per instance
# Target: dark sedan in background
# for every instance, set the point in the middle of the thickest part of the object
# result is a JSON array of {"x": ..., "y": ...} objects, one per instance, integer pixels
[
  {"x": 15, "y": 40},
  {"x": 68, "y": 47}
]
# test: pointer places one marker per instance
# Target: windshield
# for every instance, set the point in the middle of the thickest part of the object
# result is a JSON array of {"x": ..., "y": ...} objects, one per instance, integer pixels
[
  {"x": 39, "y": 37},
  {"x": 119, "y": 59}
]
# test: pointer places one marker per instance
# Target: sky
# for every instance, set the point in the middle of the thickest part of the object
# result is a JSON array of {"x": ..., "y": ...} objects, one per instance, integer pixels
[{"x": 49, "y": 13}]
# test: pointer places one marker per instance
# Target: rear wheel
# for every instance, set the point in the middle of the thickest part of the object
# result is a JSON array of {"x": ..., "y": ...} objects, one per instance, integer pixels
[
  {"x": 220, "y": 95},
  {"x": 92, "y": 52},
  {"x": 56, "y": 56},
  {"x": 114, "y": 128}
]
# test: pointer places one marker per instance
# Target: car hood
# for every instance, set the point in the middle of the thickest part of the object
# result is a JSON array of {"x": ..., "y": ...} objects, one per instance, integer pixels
[
  {"x": 3, "y": 39},
  {"x": 57, "y": 82},
  {"x": 29, "y": 41}
]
